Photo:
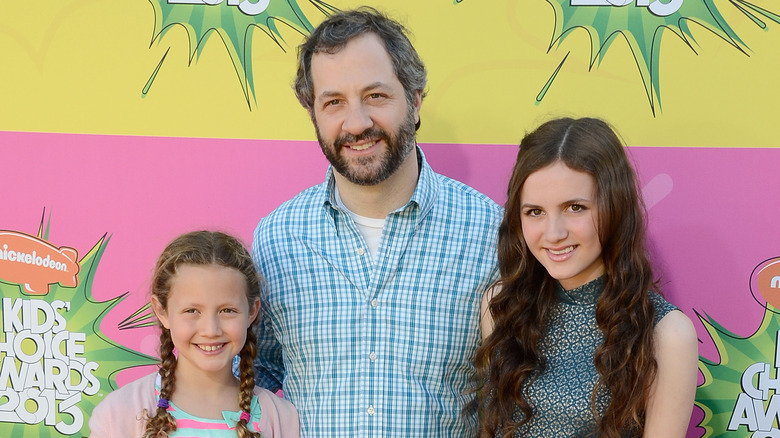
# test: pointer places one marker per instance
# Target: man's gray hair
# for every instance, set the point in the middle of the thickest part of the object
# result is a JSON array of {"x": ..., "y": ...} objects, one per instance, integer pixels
[{"x": 337, "y": 30}]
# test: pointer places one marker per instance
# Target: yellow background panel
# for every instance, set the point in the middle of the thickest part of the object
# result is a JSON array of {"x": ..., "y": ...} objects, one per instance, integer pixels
[{"x": 80, "y": 66}]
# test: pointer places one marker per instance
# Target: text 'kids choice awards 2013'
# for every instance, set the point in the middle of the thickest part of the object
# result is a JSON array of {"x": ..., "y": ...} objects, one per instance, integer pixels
[{"x": 55, "y": 364}]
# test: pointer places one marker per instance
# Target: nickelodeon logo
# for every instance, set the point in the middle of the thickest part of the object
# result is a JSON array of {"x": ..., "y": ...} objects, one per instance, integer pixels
[{"x": 35, "y": 264}]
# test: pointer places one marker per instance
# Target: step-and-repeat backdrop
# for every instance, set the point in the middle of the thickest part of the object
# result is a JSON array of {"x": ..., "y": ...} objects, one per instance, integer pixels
[{"x": 123, "y": 124}]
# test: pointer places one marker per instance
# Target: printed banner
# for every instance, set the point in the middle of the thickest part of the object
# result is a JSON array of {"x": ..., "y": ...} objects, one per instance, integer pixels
[{"x": 124, "y": 124}]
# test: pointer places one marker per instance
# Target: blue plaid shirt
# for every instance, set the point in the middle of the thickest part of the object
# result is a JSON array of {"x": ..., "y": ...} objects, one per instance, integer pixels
[{"x": 376, "y": 348}]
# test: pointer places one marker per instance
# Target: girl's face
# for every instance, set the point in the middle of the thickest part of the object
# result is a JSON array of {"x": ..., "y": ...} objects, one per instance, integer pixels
[
  {"x": 208, "y": 314},
  {"x": 559, "y": 219}
]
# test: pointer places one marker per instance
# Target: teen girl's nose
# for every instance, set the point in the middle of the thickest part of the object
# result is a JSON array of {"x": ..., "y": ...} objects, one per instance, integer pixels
[{"x": 555, "y": 228}]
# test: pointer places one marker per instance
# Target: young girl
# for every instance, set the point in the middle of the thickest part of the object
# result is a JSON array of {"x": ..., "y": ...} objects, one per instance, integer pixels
[
  {"x": 205, "y": 293},
  {"x": 577, "y": 340}
]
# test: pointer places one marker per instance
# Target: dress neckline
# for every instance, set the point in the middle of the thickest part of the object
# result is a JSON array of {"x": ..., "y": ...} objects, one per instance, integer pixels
[{"x": 588, "y": 293}]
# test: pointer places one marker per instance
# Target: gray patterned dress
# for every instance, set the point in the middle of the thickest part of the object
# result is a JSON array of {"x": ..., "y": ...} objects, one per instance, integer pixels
[{"x": 561, "y": 395}]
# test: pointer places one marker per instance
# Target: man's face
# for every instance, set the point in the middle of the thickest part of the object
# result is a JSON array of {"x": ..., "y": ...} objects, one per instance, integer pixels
[{"x": 364, "y": 123}]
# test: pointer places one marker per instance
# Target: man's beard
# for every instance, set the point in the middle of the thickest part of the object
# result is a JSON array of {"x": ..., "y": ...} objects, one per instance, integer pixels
[{"x": 361, "y": 171}]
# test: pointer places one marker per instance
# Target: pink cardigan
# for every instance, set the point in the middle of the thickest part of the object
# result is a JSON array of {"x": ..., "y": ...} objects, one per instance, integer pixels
[{"x": 120, "y": 414}]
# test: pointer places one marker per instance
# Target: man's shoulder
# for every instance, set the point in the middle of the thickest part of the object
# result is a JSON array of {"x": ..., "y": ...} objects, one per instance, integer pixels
[
  {"x": 301, "y": 205},
  {"x": 464, "y": 195}
]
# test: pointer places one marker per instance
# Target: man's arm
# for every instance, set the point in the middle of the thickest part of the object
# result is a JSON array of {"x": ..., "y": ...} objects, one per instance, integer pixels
[{"x": 269, "y": 364}]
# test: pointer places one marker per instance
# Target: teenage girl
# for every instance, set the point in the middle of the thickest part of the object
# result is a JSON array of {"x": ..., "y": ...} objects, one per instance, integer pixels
[
  {"x": 205, "y": 293},
  {"x": 577, "y": 339}
]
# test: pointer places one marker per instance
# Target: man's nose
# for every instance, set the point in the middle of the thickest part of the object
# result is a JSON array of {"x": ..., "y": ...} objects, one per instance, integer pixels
[{"x": 357, "y": 120}]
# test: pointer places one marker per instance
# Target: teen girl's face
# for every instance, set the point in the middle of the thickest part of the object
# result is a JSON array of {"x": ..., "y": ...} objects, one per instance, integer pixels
[
  {"x": 560, "y": 223},
  {"x": 208, "y": 314}
]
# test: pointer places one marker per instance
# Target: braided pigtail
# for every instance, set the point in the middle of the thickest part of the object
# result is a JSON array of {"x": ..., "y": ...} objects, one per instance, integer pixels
[
  {"x": 162, "y": 423},
  {"x": 247, "y": 385}
]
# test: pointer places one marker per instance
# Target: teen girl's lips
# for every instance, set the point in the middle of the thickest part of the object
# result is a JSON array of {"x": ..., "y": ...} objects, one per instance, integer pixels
[
  {"x": 560, "y": 254},
  {"x": 210, "y": 348}
]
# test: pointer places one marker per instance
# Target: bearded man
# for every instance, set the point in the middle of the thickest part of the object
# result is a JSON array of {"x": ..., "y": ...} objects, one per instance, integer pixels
[{"x": 370, "y": 315}]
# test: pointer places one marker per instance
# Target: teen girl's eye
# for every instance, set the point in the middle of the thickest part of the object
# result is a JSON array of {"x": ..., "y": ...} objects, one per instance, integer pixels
[
  {"x": 229, "y": 310},
  {"x": 576, "y": 208},
  {"x": 533, "y": 212}
]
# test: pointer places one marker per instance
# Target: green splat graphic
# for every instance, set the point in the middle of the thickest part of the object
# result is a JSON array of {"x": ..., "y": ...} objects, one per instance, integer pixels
[
  {"x": 642, "y": 23},
  {"x": 722, "y": 396},
  {"x": 28, "y": 390},
  {"x": 234, "y": 21}
]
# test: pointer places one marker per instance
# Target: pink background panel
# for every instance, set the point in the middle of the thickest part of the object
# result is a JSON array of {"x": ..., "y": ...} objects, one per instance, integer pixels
[{"x": 712, "y": 211}]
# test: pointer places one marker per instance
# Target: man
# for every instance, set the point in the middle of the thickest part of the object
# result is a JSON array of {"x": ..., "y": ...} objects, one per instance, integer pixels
[{"x": 371, "y": 311}]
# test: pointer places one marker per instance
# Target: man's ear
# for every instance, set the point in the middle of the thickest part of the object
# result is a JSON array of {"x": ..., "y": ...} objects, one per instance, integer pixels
[
  {"x": 160, "y": 312},
  {"x": 417, "y": 105}
]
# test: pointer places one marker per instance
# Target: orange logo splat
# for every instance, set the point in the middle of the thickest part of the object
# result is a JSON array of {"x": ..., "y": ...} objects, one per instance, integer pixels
[
  {"x": 35, "y": 264},
  {"x": 769, "y": 282}
]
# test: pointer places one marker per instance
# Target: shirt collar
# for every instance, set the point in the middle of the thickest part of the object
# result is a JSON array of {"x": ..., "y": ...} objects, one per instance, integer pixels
[
  {"x": 231, "y": 418},
  {"x": 423, "y": 197}
]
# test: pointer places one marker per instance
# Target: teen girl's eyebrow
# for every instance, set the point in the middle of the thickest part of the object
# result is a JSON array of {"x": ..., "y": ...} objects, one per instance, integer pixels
[
  {"x": 576, "y": 201},
  {"x": 562, "y": 204}
]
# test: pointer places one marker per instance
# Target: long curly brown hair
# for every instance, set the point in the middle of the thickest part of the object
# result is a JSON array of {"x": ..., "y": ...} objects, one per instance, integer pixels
[
  {"x": 510, "y": 359},
  {"x": 202, "y": 248}
]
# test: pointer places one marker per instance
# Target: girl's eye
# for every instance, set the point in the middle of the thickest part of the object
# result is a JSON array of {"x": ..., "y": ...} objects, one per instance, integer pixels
[
  {"x": 533, "y": 212},
  {"x": 229, "y": 310},
  {"x": 576, "y": 208},
  {"x": 190, "y": 310}
]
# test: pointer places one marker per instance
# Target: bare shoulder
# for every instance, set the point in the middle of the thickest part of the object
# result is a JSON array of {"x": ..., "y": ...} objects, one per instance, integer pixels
[
  {"x": 486, "y": 318},
  {"x": 490, "y": 292},
  {"x": 669, "y": 407},
  {"x": 675, "y": 330}
]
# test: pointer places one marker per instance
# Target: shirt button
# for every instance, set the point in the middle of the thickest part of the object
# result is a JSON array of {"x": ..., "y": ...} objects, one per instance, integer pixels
[
  {"x": 361, "y": 251},
  {"x": 371, "y": 410},
  {"x": 372, "y": 356},
  {"x": 374, "y": 302}
]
